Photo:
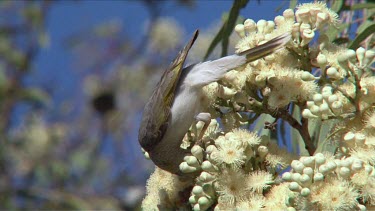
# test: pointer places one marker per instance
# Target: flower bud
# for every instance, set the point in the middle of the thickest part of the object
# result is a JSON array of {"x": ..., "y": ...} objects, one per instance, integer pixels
[
  {"x": 308, "y": 171},
  {"x": 249, "y": 25},
  {"x": 315, "y": 110},
  {"x": 279, "y": 20},
  {"x": 262, "y": 151},
  {"x": 270, "y": 26},
  {"x": 324, "y": 108},
  {"x": 344, "y": 172},
  {"x": 206, "y": 177},
  {"x": 307, "y": 36},
  {"x": 306, "y": 76},
  {"x": 302, "y": 15},
  {"x": 318, "y": 98},
  {"x": 240, "y": 29},
  {"x": 349, "y": 136},
  {"x": 319, "y": 159},
  {"x": 308, "y": 161},
  {"x": 287, "y": 176},
  {"x": 306, "y": 113},
  {"x": 203, "y": 202},
  {"x": 261, "y": 24},
  {"x": 318, "y": 177},
  {"x": 210, "y": 149},
  {"x": 333, "y": 73},
  {"x": 351, "y": 55},
  {"x": 207, "y": 166},
  {"x": 192, "y": 161},
  {"x": 288, "y": 14},
  {"x": 193, "y": 199},
  {"x": 357, "y": 165},
  {"x": 336, "y": 105},
  {"x": 360, "y": 55},
  {"x": 296, "y": 177},
  {"x": 322, "y": 61},
  {"x": 332, "y": 98},
  {"x": 369, "y": 57},
  {"x": 197, "y": 151},
  {"x": 324, "y": 169},
  {"x": 197, "y": 190},
  {"x": 297, "y": 166},
  {"x": 305, "y": 179},
  {"x": 305, "y": 192},
  {"x": 185, "y": 168},
  {"x": 294, "y": 186},
  {"x": 360, "y": 139}
]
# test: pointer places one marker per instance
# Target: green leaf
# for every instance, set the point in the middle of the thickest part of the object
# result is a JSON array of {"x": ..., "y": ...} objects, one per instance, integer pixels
[
  {"x": 293, "y": 4},
  {"x": 259, "y": 127},
  {"x": 324, "y": 144},
  {"x": 297, "y": 141},
  {"x": 337, "y": 5},
  {"x": 369, "y": 30},
  {"x": 333, "y": 31},
  {"x": 227, "y": 28},
  {"x": 359, "y": 6}
]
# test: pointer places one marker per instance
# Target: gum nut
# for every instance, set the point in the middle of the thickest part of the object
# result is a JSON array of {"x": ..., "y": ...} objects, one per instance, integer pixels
[
  {"x": 185, "y": 168},
  {"x": 332, "y": 98},
  {"x": 193, "y": 199},
  {"x": 210, "y": 149},
  {"x": 192, "y": 161},
  {"x": 332, "y": 72},
  {"x": 196, "y": 207},
  {"x": 197, "y": 151},
  {"x": 337, "y": 105},
  {"x": 197, "y": 190},
  {"x": 349, "y": 136},
  {"x": 306, "y": 76},
  {"x": 319, "y": 158},
  {"x": 297, "y": 166},
  {"x": 309, "y": 161},
  {"x": 310, "y": 103},
  {"x": 350, "y": 54},
  {"x": 207, "y": 166},
  {"x": 305, "y": 179},
  {"x": 327, "y": 89},
  {"x": 296, "y": 177},
  {"x": 305, "y": 192},
  {"x": 205, "y": 177},
  {"x": 344, "y": 172},
  {"x": 287, "y": 176},
  {"x": 317, "y": 98},
  {"x": 318, "y": 177},
  {"x": 315, "y": 109},
  {"x": 306, "y": 113},
  {"x": 322, "y": 60},
  {"x": 360, "y": 54},
  {"x": 293, "y": 186},
  {"x": 324, "y": 108},
  {"x": 308, "y": 171},
  {"x": 331, "y": 165},
  {"x": 240, "y": 29},
  {"x": 324, "y": 169},
  {"x": 203, "y": 201}
]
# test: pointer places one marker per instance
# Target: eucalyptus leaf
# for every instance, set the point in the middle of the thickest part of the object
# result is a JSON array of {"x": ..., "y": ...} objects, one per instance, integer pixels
[
  {"x": 337, "y": 5},
  {"x": 369, "y": 30},
  {"x": 298, "y": 145},
  {"x": 324, "y": 144},
  {"x": 293, "y": 4}
]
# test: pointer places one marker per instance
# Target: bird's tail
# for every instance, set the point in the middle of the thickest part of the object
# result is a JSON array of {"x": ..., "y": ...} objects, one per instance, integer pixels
[{"x": 267, "y": 48}]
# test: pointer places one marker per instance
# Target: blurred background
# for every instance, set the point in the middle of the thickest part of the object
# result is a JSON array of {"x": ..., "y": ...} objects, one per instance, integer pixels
[{"x": 74, "y": 77}]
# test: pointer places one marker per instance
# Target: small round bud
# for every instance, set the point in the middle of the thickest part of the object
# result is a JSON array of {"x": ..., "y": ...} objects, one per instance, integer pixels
[
  {"x": 297, "y": 166},
  {"x": 210, "y": 149},
  {"x": 262, "y": 151},
  {"x": 261, "y": 24},
  {"x": 288, "y": 14},
  {"x": 332, "y": 98},
  {"x": 293, "y": 186},
  {"x": 305, "y": 179},
  {"x": 306, "y": 113},
  {"x": 360, "y": 55},
  {"x": 315, "y": 109},
  {"x": 324, "y": 169},
  {"x": 306, "y": 76},
  {"x": 185, "y": 168},
  {"x": 193, "y": 199},
  {"x": 192, "y": 161},
  {"x": 197, "y": 190},
  {"x": 308, "y": 161},
  {"x": 322, "y": 60},
  {"x": 197, "y": 151},
  {"x": 318, "y": 177},
  {"x": 327, "y": 89},
  {"x": 318, "y": 98},
  {"x": 351, "y": 55},
  {"x": 305, "y": 192},
  {"x": 336, "y": 105},
  {"x": 309, "y": 103},
  {"x": 344, "y": 172},
  {"x": 369, "y": 57},
  {"x": 207, "y": 166},
  {"x": 203, "y": 201},
  {"x": 296, "y": 177},
  {"x": 333, "y": 73},
  {"x": 279, "y": 20},
  {"x": 360, "y": 139},
  {"x": 324, "y": 108},
  {"x": 206, "y": 177},
  {"x": 319, "y": 159},
  {"x": 331, "y": 165},
  {"x": 250, "y": 26},
  {"x": 196, "y": 207},
  {"x": 357, "y": 165},
  {"x": 240, "y": 29},
  {"x": 287, "y": 176},
  {"x": 308, "y": 171}
]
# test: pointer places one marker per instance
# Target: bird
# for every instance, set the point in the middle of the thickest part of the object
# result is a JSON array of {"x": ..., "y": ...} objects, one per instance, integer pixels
[{"x": 176, "y": 102}]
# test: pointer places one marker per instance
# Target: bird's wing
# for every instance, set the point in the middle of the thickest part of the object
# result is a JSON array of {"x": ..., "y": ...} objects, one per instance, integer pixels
[{"x": 156, "y": 114}]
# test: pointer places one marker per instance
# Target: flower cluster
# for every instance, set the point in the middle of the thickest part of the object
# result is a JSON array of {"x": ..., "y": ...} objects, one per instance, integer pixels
[{"x": 233, "y": 168}]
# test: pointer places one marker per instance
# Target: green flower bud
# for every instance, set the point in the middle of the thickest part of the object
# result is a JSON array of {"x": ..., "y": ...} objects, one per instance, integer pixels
[
  {"x": 305, "y": 179},
  {"x": 192, "y": 161},
  {"x": 207, "y": 166},
  {"x": 306, "y": 76},
  {"x": 197, "y": 151},
  {"x": 308, "y": 161},
  {"x": 318, "y": 99},
  {"x": 360, "y": 55},
  {"x": 344, "y": 172},
  {"x": 294, "y": 186},
  {"x": 185, "y": 168},
  {"x": 193, "y": 199},
  {"x": 305, "y": 192},
  {"x": 319, "y": 159},
  {"x": 296, "y": 177},
  {"x": 197, "y": 190},
  {"x": 318, "y": 177},
  {"x": 308, "y": 171},
  {"x": 349, "y": 136},
  {"x": 287, "y": 176},
  {"x": 297, "y": 166},
  {"x": 306, "y": 113},
  {"x": 206, "y": 177}
]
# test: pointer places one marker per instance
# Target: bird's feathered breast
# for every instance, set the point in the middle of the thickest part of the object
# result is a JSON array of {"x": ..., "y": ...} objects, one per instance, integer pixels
[{"x": 157, "y": 112}]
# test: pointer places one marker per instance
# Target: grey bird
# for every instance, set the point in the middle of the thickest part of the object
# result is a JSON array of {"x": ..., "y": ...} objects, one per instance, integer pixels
[{"x": 177, "y": 101}]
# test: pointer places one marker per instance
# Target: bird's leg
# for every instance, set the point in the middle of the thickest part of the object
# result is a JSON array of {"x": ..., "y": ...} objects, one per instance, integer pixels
[{"x": 206, "y": 118}]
